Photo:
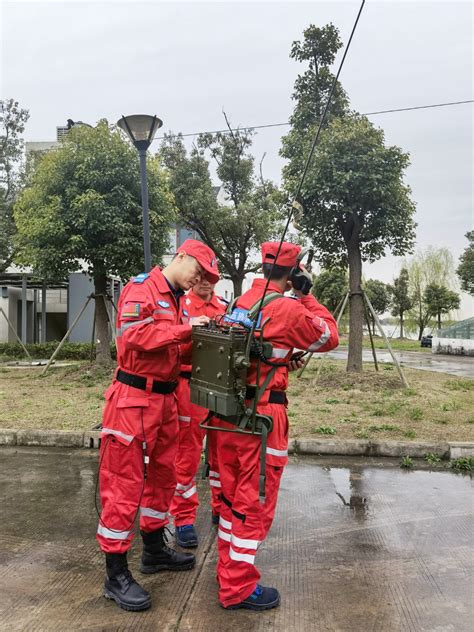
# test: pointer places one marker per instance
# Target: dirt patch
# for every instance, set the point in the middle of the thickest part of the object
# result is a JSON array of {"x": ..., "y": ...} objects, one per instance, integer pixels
[
  {"x": 372, "y": 405},
  {"x": 375, "y": 405}
]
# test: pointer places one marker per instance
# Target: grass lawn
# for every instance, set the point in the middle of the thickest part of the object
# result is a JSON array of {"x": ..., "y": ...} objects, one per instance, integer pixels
[
  {"x": 340, "y": 405},
  {"x": 405, "y": 344}
]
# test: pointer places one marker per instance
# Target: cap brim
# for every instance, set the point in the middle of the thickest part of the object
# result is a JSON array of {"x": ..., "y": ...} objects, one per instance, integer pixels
[{"x": 211, "y": 275}]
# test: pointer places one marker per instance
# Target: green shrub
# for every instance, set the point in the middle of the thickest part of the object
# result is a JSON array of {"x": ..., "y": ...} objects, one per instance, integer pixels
[
  {"x": 465, "y": 463},
  {"x": 432, "y": 458},
  {"x": 406, "y": 462},
  {"x": 43, "y": 351},
  {"x": 326, "y": 430},
  {"x": 415, "y": 414}
]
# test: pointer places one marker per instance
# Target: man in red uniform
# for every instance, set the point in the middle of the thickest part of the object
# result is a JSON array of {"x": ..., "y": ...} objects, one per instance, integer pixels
[
  {"x": 299, "y": 322},
  {"x": 199, "y": 301},
  {"x": 140, "y": 421}
]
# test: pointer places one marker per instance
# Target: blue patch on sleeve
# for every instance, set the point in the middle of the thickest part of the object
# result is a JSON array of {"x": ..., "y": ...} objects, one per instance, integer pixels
[
  {"x": 240, "y": 316},
  {"x": 141, "y": 277}
]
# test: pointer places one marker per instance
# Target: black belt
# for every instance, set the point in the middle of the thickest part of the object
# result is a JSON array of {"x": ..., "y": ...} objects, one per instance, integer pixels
[
  {"x": 138, "y": 381},
  {"x": 185, "y": 374},
  {"x": 275, "y": 397}
]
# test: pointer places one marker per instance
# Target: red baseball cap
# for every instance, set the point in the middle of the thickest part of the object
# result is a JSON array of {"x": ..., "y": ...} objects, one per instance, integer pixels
[
  {"x": 205, "y": 256},
  {"x": 286, "y": 257}
]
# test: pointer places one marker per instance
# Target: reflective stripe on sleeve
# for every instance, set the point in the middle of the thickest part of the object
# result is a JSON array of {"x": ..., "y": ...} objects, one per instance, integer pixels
[
  {"x": 148, "y": 512},
  {"x": 225, "y": 523},
  {"x": 111, "y": 431},
  {"x": 112, "y": 534},
  {"x": 213, "y": 474},
  {"x": 214, "y": 483},
  {"x": 322, "y": 340},
  {"x": 185, "y": 419},
  {"x": 245, "y": 544},
  {"x": 274, "y": 452},
  {"x": 241, "y": 557},
  {"x": 223, "y": 535},
  {"x": 119, "y": 331},
  {"x": 280, "y": 353}
]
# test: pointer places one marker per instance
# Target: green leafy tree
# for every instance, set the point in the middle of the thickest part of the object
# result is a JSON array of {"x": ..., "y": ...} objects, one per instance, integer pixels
[
  {"x": 356, "y": 205},
  {"x": 379, "y": 296},
  {"x": 465, "y": 270},
  {"x": 401, "y": 300},
  {"x": 427, "y": 267},
  {"x": 250, "y": 214},
  {"x": 13, "y": 119},
  {"x": 440, "y": 300},
  {"x": 318, "y": 50},
  {"x": 82, "y": 211},
  {"x": 330, "y": 288}
]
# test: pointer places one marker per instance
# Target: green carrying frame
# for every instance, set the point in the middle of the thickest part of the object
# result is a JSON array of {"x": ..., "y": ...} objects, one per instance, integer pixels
[{"x": 251, "y": 422}]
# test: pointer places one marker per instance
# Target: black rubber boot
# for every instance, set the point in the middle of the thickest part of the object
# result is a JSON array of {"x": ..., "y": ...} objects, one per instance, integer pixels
[
  {"x": 157, "y": 556},
  {"x": 120, "y": 585}
]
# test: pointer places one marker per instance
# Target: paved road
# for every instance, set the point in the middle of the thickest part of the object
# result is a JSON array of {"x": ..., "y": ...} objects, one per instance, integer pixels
[
  {"x": 462, "y": 366},
  {"x": 356, "y": 546}
]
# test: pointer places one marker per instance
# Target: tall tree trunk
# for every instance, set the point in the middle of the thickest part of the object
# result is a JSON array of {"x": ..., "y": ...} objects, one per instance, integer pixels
[
  {"x": 401, "y": 324},
  {"x": 356, "y": 309},
  {"x": 237, "y": 281},
  {"x": 420, "y": 318},
  {"x": 439, "y": 320},
  {"x": 102, "y": 340}
]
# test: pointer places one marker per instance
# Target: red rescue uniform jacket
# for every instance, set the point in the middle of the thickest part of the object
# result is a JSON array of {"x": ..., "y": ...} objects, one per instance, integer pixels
[
  {"x": 149, "y": 328},
  {"x": 300, "y": 323}
]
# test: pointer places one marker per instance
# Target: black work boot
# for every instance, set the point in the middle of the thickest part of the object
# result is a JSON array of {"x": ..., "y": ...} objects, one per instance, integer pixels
[
  {"x": 157, "y": 556},
  {"x": 120, "y": 585}
]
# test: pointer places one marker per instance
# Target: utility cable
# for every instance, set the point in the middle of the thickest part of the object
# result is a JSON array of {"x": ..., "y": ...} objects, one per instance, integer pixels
[{"x": 268, "y": 125}]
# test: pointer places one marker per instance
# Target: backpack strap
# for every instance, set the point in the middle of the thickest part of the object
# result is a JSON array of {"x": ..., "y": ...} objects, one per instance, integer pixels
[{"x": 269, "y": 298}]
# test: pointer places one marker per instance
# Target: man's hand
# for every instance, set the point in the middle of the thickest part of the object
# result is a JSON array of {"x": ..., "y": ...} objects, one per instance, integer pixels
[
  {"x": 296, "y": 361},
  {"x": 294, "y": 365},
  {"x": 199, "y": 321}
]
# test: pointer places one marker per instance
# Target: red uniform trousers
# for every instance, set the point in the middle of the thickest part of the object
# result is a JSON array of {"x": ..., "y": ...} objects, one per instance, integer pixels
[
  {"x": 185, "y": 501},
  {"x": 244, "y": 521},
  {"x": 130, "y": 417}
]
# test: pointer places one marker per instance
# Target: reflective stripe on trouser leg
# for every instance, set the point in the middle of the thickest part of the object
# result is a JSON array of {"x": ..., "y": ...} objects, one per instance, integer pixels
[
  {"x": 160, "y": 484},
  {"x": 239, "y": 469},
  {"x": 214, "y": 472},
  {"x": 120, "y": 489},
  {"x": 186, "y": 501}
]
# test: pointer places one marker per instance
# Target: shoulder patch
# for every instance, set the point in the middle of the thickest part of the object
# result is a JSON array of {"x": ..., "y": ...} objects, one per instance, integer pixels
[
  {"x": 162, "y": 303},
  {"x": 140, "y": 278},
  {"x": 131, "y": 310}
]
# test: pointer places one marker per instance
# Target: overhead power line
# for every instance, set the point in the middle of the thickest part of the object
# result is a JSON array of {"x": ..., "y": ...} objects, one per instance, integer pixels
[{"x": 227, "y": 131}]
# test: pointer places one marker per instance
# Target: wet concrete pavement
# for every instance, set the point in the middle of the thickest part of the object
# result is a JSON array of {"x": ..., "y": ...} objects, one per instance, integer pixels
[
  {"x": 356, "y": 546},
  {"x": 462, "y": 366}
]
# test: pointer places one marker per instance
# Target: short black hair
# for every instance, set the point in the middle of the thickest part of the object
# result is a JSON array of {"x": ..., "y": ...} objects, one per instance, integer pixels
[{"x": 277, "y": 273}]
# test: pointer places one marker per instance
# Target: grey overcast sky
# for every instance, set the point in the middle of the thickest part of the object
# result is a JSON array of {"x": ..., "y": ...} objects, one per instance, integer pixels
[{"x": 186, "y": 61}]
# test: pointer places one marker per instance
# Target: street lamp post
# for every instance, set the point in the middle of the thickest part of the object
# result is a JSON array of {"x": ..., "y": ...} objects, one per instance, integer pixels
[{"x": 141, "y": 129}]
